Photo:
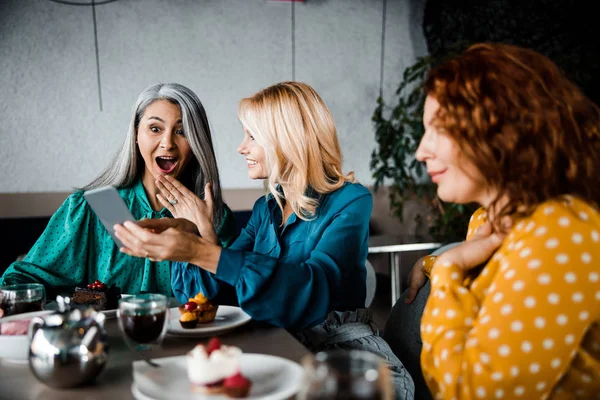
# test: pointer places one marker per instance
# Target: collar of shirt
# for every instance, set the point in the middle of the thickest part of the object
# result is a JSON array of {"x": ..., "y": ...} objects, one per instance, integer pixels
[
  {"x": 276, "y": 213},
  {"x": 140, "y": 196}
]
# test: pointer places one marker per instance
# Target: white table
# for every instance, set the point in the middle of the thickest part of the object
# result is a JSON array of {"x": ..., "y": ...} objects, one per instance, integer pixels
[{"x": 394, "y": 246}]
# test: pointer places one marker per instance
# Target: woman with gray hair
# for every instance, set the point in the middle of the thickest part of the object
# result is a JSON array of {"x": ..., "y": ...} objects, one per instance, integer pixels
[{"x": 168, "y": 135}]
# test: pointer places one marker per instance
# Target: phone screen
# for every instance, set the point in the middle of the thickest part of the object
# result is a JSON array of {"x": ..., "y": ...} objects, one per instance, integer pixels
[{"x": 109, "y": 207}]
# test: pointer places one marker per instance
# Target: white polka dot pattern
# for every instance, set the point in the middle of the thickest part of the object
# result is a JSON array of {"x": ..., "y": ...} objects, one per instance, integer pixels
[{"x": 527, "y": 313}]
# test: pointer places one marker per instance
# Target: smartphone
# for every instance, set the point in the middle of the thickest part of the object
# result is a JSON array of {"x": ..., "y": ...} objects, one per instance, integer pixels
[{"x": 109, "y": 207}]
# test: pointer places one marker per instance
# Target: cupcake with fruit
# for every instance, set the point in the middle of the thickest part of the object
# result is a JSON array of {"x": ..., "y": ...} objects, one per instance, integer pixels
[
  {"x": 198, "y": 310},
  {"x": 215, "y": 369}
]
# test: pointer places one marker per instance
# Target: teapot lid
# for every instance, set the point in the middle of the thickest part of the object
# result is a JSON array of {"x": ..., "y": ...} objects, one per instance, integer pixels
[{"x": 72, "y": 316}]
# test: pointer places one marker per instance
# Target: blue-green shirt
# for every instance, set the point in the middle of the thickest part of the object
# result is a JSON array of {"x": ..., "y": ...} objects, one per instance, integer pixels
[
  {"x": 75, "y": 249},
  {"x": 292, "y": 276}
]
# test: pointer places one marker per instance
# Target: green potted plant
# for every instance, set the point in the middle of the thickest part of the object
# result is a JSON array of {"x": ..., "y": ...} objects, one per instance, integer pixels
[{"x": 398, "y": 131}]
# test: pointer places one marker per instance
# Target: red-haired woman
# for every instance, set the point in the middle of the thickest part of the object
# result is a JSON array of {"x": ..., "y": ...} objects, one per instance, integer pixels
[{"x": 513, "y": 311}]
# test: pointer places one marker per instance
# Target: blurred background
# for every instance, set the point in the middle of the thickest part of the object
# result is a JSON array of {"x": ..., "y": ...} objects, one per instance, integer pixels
[{"x": 71, "y": 73}]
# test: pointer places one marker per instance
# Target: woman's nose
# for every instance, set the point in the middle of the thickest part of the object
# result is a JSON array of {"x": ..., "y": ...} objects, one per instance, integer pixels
[
  {"x": 424, "y": 150},
  {"x": 168, "y": 140},
  {"x": 242, "y": 148},
  {"x": 420, "y": 153}
]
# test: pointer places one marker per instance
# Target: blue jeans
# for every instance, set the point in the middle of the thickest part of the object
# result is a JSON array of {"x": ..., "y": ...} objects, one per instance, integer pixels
[
  {"x": 356, "y": 330},
  {"x": 402, "y": 332}
]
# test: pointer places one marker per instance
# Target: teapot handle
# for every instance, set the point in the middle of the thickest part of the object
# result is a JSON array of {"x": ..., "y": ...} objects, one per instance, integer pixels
[{"x": 34, "y": 325}]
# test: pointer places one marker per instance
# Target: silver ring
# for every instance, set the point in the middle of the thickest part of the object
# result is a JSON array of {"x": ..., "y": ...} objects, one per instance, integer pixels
[{"x": 173, "y": 202}]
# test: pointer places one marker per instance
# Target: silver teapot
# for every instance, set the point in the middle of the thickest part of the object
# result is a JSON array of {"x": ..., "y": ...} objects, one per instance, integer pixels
[{"x": 68, "y": 348}]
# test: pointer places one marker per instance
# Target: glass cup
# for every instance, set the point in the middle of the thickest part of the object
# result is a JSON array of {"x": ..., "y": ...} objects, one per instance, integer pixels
[
  {"x": 22, "y": 298},
  {"x": 143, "y": 320},
  {"x": 345, "y": 374}
]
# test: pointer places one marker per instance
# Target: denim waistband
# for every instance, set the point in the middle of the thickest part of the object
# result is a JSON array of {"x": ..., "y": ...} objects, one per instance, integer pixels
[{"x": 338, "y": 327}]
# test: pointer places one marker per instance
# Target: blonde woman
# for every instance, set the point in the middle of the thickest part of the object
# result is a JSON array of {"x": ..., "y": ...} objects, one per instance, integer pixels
[{"x": 300, "y": 261}]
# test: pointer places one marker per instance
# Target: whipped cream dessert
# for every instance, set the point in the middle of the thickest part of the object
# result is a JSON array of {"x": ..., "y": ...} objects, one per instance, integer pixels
[
  {"x": 20, "y": 327},
  {"x": 209, "y": 367}
]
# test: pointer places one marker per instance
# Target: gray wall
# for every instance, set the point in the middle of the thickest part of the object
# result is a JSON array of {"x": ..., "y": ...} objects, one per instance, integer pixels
[{"x": 54, "y": 135}]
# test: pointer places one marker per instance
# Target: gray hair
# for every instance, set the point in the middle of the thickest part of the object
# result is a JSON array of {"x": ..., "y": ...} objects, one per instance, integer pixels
[{"x": 127, "y": 165}]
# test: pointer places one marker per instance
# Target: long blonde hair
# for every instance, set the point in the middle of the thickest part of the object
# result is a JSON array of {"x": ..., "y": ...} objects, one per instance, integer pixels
[{"x": 297, "y": 132}]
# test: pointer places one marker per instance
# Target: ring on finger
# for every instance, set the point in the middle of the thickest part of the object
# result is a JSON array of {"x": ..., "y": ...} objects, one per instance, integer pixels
[{"x": 173, "y": 201}]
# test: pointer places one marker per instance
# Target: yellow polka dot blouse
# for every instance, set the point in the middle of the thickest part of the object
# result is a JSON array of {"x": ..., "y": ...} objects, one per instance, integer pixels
[{"x": 526, "y": 327}]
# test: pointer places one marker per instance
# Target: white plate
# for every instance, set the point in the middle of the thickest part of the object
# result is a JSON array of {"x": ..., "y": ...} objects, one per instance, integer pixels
[
  {"x": 14, "y": 349},
  {"x": 272, "y": 377},
  {"x": 228, "y": 317},
  {"x": 27, "y": 315}
]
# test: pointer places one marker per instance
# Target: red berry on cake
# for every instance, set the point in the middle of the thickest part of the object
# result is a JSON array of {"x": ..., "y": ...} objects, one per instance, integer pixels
[
  {"x": 237, "y": 385},
  {"x": 190, "y": 306},
  {"x": 213, "y": 344}
]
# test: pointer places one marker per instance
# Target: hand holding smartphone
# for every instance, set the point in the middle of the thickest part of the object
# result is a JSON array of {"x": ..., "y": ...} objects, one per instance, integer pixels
[{"x": 109, "y": 207}]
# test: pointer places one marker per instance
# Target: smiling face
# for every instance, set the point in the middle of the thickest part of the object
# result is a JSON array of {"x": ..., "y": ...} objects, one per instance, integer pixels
[
  {"x": 457, "y": 178},
  {"x": 162, "y": 142},
  {"x": 255, "y": 157}
]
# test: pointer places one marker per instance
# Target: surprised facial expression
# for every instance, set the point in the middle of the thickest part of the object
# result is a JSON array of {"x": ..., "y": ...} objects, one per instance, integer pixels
[{"x": 162, "y": 141}]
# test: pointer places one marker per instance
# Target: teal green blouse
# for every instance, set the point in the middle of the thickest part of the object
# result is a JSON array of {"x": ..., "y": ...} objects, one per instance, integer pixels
[{"x": 75, "y": 249}]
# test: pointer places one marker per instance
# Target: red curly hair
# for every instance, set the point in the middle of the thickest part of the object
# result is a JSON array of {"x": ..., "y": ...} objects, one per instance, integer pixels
[{"x": 530, "y": 131}]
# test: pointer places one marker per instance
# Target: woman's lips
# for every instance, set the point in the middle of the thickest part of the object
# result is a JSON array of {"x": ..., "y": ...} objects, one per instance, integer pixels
[
  {"x": 436, "y": 176},
  {"x": 166, "y": 165}
]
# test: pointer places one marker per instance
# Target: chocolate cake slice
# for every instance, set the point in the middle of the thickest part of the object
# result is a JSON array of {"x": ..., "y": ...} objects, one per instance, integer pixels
[
  {"x": 98, "y": 295},
  {"x": 90, "y": 297}
]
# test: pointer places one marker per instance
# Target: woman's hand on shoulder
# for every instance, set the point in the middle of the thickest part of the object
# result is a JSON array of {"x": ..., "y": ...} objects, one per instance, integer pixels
[
  {"x": 416, "y": 280},
  {"x": 475, "y": 251}
]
